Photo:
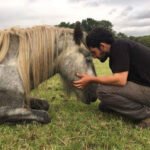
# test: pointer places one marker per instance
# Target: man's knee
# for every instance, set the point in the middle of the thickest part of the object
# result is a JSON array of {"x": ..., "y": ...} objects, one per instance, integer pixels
[
  {"x": 106, "y": 98},
  {"x": 106, "y": 91},
  {"x": 131, "y": 90}
]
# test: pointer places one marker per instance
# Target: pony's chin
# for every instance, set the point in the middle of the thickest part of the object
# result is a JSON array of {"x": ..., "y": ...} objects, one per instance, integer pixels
[
  {"x": 81, "y": 97},
  {"x": 88, "y": 101}
]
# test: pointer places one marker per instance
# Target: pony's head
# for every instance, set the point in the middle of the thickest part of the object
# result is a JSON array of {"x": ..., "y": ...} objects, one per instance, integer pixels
[{"x": 77, "y": 59}]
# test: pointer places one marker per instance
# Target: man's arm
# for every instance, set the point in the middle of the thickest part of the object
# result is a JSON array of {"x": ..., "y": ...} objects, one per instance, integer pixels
[{"x": 118, "y": 79}]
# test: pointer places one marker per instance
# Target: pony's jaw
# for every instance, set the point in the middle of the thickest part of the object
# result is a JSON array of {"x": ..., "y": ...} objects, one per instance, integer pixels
[{"x": 87, "y": 95}]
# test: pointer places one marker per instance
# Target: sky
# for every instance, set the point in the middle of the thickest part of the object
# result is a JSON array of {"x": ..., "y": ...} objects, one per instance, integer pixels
[{"x": 131, "y": 17}]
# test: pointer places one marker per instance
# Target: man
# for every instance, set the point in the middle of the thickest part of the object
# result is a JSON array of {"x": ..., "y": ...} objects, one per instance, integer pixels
[{"x": 127, "y": 90}]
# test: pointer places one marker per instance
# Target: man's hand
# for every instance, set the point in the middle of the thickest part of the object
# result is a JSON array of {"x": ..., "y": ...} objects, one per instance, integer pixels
[{"x": 84, "y": 80}]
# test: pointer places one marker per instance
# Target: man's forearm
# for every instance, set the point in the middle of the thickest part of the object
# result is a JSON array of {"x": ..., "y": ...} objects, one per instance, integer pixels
[{"x": 108, "y": 80}]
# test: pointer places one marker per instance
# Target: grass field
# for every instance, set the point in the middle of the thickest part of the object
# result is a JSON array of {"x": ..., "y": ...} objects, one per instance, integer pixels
[{"x": 74, "y": 126}]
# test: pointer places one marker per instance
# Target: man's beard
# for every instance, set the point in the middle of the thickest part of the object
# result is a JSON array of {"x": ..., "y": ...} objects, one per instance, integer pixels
[{"x": 103, "y": 57}]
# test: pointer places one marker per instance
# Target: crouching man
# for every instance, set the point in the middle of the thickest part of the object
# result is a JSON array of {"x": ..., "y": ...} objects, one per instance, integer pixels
[{"x": 127, "y": 90}]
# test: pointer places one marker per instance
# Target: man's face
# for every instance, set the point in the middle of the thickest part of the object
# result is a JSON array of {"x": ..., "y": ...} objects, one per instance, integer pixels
[
  {"x": 96, "y": 52},
  {"x": 100, "y": 52}
]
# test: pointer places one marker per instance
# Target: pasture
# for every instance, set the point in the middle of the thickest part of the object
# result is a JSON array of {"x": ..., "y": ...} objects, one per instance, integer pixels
[{"x": 74, "y": 125}]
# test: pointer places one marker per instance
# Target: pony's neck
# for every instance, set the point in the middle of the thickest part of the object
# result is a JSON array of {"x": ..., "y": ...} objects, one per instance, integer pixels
[{"x": 46, "y": 65}]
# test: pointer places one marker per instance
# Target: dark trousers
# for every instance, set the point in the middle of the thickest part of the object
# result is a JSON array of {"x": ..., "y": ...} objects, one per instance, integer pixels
[{"x": 132, "y": 100}]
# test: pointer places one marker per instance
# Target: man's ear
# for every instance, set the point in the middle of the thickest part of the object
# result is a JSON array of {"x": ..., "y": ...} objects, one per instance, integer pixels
[
  {"x": 105, "y": 47},
  {"x": 102, "y": 45}
]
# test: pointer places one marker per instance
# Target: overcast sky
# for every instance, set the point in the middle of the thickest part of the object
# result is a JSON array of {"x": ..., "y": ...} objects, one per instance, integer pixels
[{"x": 131, "y": 17}]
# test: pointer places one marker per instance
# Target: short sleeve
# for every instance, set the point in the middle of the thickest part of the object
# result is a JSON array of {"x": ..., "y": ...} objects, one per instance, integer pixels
[{"x": 119, "y": 57}]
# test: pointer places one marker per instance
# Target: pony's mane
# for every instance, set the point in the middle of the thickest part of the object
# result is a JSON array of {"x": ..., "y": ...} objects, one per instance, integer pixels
[{"x": 37, "y": 46}]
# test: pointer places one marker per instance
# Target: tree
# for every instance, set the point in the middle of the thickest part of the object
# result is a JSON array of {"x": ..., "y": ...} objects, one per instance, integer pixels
[
  {"x": 105, "y": 24},
  {"x": 89, "y": 24},
  {"x": 66, "y": 25},
  {"x": 121, "y": 35},
  {"x": 144, "y": 40}
]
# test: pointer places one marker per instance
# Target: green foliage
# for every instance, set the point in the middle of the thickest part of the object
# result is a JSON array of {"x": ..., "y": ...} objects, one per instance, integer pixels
[
  {"x": 121, "y": 35},
  {"x": 144, "y": 40},
  {"x": 88, "y": 24},
  {"x": 66, "y": 25},
  {"x": 74, "y": 126}
]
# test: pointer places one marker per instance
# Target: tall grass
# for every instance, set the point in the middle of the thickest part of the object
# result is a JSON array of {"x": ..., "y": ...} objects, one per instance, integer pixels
[{"x": 74, "y": 125}]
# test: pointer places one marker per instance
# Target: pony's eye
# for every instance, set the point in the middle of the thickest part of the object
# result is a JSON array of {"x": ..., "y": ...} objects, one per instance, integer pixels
[{"x": 89, "y": 59}]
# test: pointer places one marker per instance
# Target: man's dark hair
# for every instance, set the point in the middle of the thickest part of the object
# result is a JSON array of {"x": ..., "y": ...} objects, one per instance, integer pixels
[{"x": 98, "y": 35}]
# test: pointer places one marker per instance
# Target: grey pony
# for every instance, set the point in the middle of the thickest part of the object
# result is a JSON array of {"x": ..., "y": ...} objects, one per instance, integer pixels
[{"x": 13, "y": 107}]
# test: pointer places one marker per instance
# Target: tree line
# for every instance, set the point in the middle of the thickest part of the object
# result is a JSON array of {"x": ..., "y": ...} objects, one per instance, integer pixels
[{"x": 90, "y": 23}]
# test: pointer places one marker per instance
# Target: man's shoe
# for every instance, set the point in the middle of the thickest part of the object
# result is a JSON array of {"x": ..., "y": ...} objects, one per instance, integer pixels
[{"x": 144, "y": 123}]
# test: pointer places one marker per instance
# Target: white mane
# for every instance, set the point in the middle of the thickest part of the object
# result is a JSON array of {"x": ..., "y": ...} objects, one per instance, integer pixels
[{"x": 38, "y": 47}]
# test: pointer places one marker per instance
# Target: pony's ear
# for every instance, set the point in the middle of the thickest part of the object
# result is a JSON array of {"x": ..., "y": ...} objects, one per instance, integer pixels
[{"x": 78, "y": 33}]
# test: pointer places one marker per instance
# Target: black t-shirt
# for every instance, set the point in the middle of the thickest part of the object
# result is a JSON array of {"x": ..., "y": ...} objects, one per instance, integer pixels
[{"x": 126, "y": 55}]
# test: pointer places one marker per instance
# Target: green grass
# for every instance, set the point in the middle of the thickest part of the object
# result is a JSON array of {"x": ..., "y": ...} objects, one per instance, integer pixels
[{"x": 74, "y": 125}]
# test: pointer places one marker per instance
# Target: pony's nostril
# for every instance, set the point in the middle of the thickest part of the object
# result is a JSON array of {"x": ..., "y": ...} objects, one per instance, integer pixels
[{"x": 88, "y": 102}]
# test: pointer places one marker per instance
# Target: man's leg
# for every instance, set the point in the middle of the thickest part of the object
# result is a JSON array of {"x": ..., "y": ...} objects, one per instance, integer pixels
[{"x": 132, "y": 100}]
